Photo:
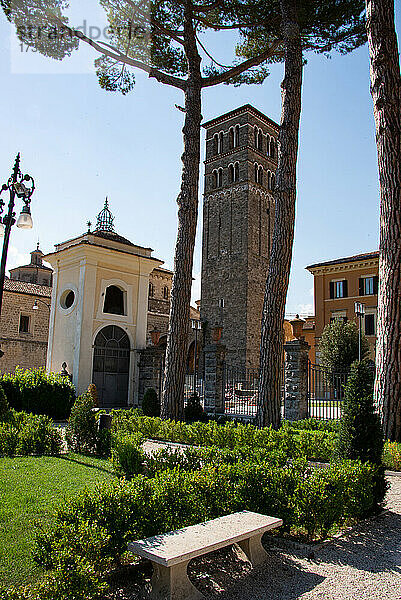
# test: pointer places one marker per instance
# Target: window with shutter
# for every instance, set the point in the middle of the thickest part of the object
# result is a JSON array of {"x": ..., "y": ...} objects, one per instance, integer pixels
[
  {"x": 331, "y": 289},
  {"x": 361, "y": 287},
  {"x": 375, "y": 284}
]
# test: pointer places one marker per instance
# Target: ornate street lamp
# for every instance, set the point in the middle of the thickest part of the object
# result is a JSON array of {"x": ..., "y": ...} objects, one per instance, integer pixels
[{"x": 20, "y": 186}]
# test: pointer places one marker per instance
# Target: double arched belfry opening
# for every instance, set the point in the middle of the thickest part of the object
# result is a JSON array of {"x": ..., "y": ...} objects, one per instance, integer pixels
[{"x": 99, "y": 311}]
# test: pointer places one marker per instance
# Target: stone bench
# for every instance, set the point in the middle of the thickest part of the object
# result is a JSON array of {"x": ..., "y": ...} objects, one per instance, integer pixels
[{"x": 171, "y": 552}]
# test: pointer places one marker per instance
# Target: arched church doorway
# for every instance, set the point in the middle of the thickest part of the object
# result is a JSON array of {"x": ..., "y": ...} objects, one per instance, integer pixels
[{"x": 111, "y": 359}]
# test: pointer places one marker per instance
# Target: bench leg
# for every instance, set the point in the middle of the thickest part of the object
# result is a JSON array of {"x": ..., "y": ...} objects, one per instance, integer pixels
[
  {"x": 254, "y": 550},
  {"x": 172, "y": 583}
]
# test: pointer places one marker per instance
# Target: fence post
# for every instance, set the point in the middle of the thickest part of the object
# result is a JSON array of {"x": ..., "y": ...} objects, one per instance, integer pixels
[
  {"x": 296, "y": 380},
  {"x": 214, "y": 355}
]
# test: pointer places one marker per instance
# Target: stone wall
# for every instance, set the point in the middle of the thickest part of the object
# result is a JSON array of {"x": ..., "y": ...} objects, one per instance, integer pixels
[{"x": 26, "y": 349}]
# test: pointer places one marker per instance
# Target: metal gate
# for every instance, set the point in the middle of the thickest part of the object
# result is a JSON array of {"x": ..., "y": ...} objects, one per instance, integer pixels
[
  {"x": 111, "y": 360},
  {"x": 325, "y": 392}
]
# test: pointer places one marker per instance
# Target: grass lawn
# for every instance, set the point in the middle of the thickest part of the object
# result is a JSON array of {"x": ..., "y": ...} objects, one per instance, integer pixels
[{"x": 30, "y": 489}]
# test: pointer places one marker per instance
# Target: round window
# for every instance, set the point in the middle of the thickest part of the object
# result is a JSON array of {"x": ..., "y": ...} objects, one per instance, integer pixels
[{"x": 67, "y": 299}]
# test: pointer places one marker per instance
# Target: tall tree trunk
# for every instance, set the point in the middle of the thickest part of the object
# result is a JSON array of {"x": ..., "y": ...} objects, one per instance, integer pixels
[
  {"x": 174, "y": 376},
  {"x": 386, "y": 93},
  {"x": 271, "y": 347}
]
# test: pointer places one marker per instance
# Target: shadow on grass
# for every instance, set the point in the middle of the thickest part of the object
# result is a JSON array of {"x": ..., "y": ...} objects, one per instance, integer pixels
[{"x": 90, "y": 465}]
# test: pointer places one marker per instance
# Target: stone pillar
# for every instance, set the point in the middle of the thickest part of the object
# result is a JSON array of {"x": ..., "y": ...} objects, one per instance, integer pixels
[
  {"x": 296, "y": 380},
  {"x": 150, "y": 371},
  {"x": 214, "y": 355}
]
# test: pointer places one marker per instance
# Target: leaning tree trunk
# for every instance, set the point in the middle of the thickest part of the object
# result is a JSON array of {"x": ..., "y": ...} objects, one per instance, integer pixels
[
  {"x": 271, "y": 347},
  {"x": 177, "y": 339},
  {"x": 386, "y": 93}
]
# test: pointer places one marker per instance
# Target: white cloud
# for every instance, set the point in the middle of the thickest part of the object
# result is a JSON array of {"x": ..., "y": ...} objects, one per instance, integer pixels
[
  {"x": 305, "y": 309},
  {"x": 15, "y": 258}
]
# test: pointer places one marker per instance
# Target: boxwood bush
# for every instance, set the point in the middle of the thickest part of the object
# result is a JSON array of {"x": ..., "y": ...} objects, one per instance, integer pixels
[
  {"x": 97, "y": 525},
  {"x": 23, "y": 433},
  {"x": 38, "y": 392}
]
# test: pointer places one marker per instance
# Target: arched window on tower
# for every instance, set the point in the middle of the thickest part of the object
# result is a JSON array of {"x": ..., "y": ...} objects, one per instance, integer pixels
[
  {"x": 273, "y": 182},
  {"x": 236, "y": 171},
  {"x": 214, "y": 178},
  {"x": 268, "y": 145},
  {"x": 151, "y": 290},
  {"x": 272, "y": 148},
  {"x": 231, "y": 138},
  {"x": 269, "y": 180},
  {"x": 260, "y": 140},
  {"x": 114, "y": 301},
  {"x": 231, "y": 173},
  {"x": 166, "y": 293},
  {"x": 260, "y": 175},
  {"x": 256, "y": 172},
  {"x": 220, "y": 177},
  {"x": 220, "y": 142},
  {"x": 255, "y": 136},
  {"x": 236, "y": 136},
  {"x": 215, "y": 144}
]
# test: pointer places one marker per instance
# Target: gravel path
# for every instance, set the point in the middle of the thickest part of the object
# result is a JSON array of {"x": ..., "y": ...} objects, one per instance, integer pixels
[{"x": 364, "y": 564}]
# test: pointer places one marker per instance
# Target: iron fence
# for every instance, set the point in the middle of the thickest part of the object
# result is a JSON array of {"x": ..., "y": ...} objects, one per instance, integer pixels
[
  {"x": 194, "y": 385},
  {"x": 325, "y": 392}
]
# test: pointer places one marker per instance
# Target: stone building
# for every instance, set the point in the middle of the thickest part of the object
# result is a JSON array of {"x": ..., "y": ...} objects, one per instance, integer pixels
[
  {"x": 24, "y": 325},
  {"x": 238, "y": 217},
  {"x": 35, "y": 272}
]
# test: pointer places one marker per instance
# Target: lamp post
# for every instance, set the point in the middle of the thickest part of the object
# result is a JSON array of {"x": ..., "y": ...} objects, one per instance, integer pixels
[
  {"x": 16, "y": 188},
  {"x": 36, "y": 307},
  {"x": 196, "y": 326},
  {"x": 360, "y": 313}
]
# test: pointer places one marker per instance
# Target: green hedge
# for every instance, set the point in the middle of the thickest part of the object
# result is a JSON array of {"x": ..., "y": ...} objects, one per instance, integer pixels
[
  {"x": 38, "y": 392},
  {"x": 98, "y": 525},
  {"x": 23, "y": 433},
  {"x": 294, "y": 442}
]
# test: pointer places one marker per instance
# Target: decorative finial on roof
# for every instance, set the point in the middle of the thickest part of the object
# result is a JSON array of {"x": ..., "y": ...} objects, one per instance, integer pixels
[
  {"x": 105, "y": 219},
  {"x": 89, "y": 224},
  {"x": 37, "y": 245}
]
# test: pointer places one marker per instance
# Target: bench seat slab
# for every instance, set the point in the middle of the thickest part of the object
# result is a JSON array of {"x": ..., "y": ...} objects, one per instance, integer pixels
[{"x": 172, "y": 583}]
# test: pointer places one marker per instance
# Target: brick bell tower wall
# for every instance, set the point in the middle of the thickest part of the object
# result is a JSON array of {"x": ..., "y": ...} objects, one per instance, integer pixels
[{"x": 238, "y": 216}]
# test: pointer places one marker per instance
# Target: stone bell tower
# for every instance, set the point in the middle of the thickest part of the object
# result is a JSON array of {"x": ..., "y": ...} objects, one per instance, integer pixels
[{"x": 238, "y": 216}]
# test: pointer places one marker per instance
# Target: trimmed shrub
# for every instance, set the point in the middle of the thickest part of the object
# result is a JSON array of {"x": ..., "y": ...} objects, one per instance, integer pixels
[
  {"x": 82, "y": 430},
  {"x": 4, "y": 406},
  {"x": 25, "y": 434},
  {"x": 38, "y": 392},
  {"x": 127, "y": 454},
  {"x": 193, "y": 411},
  {"x": 97, "y": 526},
  {"x": 360, "y": 436},
  {"x": 151, "y": 403}
]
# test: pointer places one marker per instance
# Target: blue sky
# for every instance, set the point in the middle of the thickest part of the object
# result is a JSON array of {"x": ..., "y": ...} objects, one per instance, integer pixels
[{"x": 81, "y": 143}]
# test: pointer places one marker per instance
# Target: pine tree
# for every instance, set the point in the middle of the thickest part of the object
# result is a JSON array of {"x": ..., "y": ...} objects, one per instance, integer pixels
[
  {"x": 165, "y": 39},
  {"x": 386, "y": 94},
  {"x": 307, "y": 25},
  {"x": 360, "y": 436}
]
